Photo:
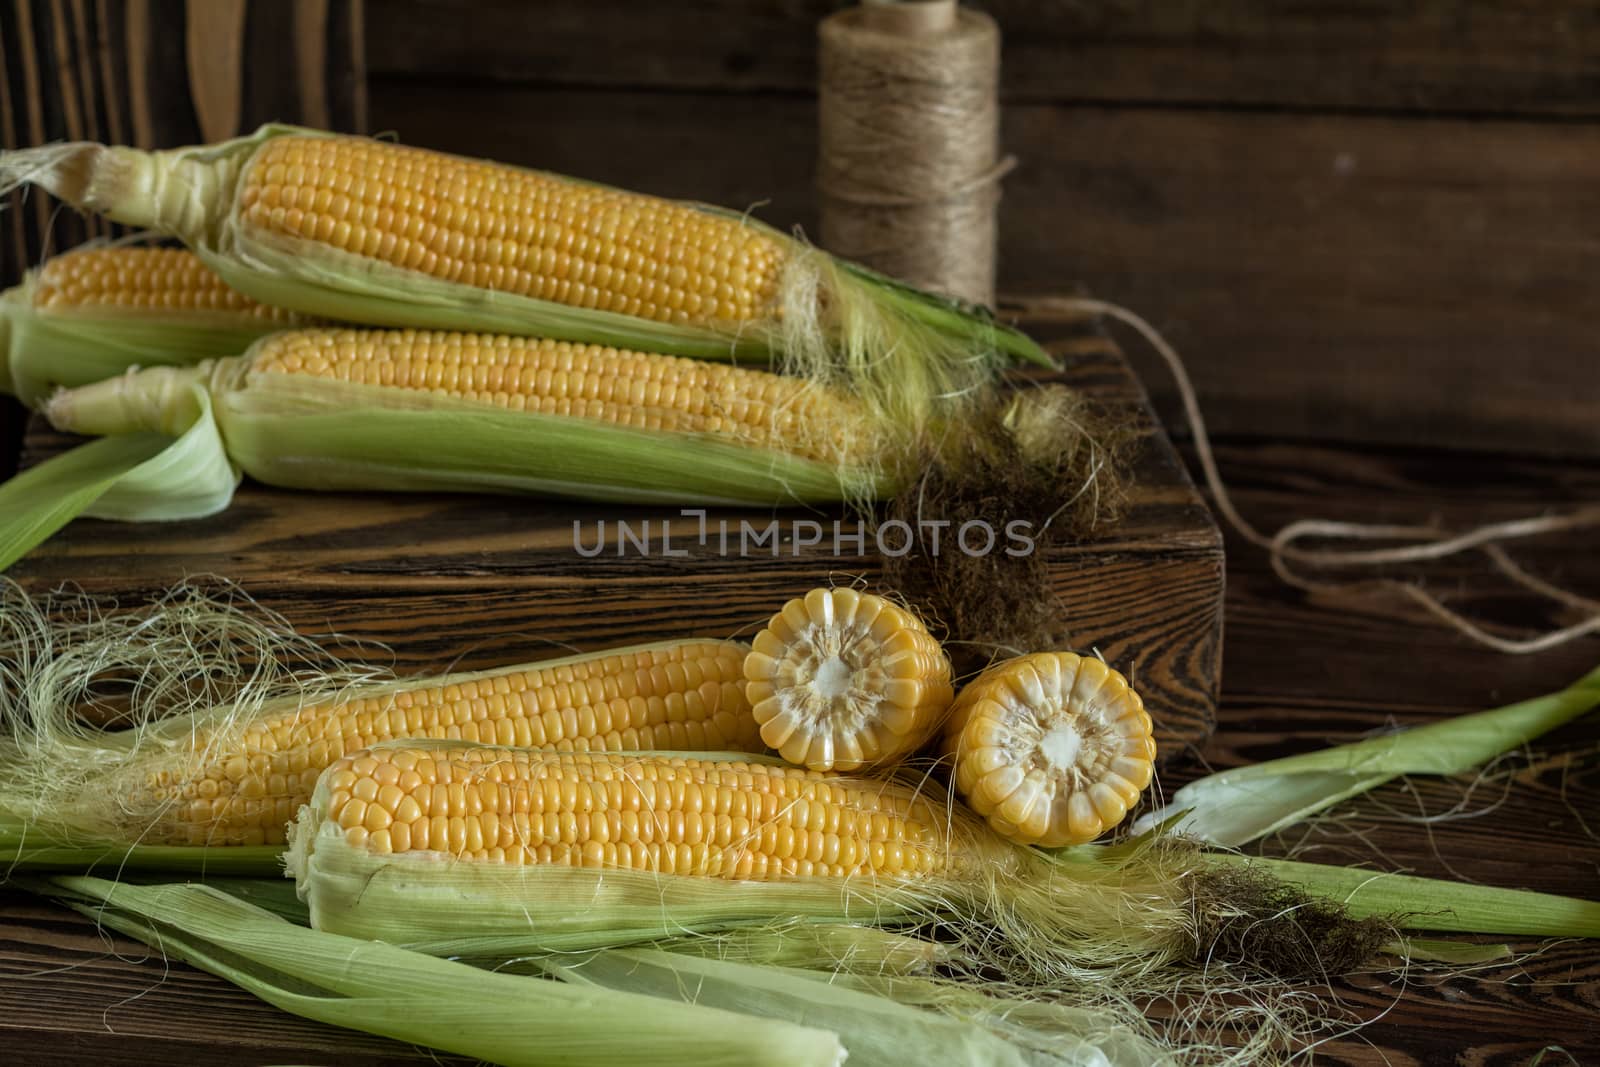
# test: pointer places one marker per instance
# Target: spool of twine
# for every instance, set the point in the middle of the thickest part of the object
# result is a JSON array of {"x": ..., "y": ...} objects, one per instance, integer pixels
[{"x": 910, "y": 171}]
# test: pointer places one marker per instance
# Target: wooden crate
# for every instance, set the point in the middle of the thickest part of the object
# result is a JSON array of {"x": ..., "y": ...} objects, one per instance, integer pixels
[{"x": 474, "y": 581}]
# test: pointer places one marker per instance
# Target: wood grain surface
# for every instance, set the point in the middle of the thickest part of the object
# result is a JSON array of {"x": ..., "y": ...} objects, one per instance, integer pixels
[
  {"x": 1487, "y": 56},
  {"x": 1301, "y": 673}
]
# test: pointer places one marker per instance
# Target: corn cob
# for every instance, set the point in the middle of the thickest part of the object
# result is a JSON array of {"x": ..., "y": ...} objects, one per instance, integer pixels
[
  {"x": 1054, "y": 748},
  {"x": 841, "y": 680},
  {"x": 442, "y": 846},
  {"x": 155, "y": 279},
  {"x": 667, "y": 815},
  {"x": 94, "y": 312},
  {"x": 237, "y": 777},
  {"x": 375, "y": 232},
  {"x": 418, "y": 410}
]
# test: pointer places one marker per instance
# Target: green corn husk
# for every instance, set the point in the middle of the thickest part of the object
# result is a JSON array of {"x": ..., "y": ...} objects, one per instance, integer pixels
[
  {"x": 319, "y": 433},
  {"x": 363, "y": 985},
  {"x": 305, "y": 432},
  {"x": 877, "y": 1019},
  {"x": 881, "y": 1022},
  {"x": 142, "y": 477},
  {"x": 29, "y": 843},
  {"x": 43, "y": 349},
  {"x": 1035, "y": 911},
  {"x": 832, "y": 947},
  {"x": 1436, "y": 904},
  {"x": 904, "y": 351},
  {"x": 1239, "y": 805}
]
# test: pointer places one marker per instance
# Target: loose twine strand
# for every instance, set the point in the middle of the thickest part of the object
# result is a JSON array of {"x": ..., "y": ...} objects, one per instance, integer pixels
[
  {"x": 909, "y": 167},
  {"x": 1433, "y": 543}
]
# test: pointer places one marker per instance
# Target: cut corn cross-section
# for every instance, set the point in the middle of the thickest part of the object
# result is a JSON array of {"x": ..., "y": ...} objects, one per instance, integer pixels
[
  {"x": 842, "y": 680},
  {"x": 1054, "y": 748}
]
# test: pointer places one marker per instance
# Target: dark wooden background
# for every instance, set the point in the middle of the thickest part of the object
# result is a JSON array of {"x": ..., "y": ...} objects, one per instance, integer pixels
[{"x": 1369, "y": 224}]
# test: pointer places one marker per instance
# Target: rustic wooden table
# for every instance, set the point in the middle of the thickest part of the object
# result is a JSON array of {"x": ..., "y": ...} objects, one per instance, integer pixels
[{"x": 1301, "y": 672}]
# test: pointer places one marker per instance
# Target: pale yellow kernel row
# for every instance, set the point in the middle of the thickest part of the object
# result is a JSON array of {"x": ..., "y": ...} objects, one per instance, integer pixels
[
  {"x": 663, "y": 814},
  {"x": 681, "y": 697},
  {"x": 167, "y": 279},
  {"x": 634, "y": 389},
  {"x": 491, "y": 226}
]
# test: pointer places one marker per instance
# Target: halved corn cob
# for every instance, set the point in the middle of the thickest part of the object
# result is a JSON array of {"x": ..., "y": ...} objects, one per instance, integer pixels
[
  {"x": 842, "y": 680},
  {"x": 1053, "y": 748},
  {"x": 375, "y": 232},
  {"x": 93, "y": 312},
  {"x": 404, "y": 409},
  {"x": 231, "y": 777}
]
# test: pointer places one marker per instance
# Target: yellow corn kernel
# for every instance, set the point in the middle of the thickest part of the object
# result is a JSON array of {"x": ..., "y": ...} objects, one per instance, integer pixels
[
  {"x": 841, "y": 680},
  {"x": 250, "y": 784},
  {"x": 1053, "y": 748},
  {"x": 500, "y": 228},
  {"x": 641, "y": 390},
  {"x": 150, "y": 279},
  {"x": 648, "y": 812}
]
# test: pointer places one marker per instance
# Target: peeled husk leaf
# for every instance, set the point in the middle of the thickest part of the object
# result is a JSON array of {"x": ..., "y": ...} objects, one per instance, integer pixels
[
  {"x": 365, "y": 985},
  {"x": 1239, "y": 805},
  {"x": 1415, "y": 903},
  {"x": 952, "y": 1024},
  {"x": 143, "y": 477}
]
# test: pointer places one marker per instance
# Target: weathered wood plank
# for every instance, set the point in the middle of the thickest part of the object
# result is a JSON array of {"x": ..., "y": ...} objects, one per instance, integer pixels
[
  {"x": 1406, "y": 282},
  {"x": 1503, "y": 56},
  {"x": 485, "y": 581}
]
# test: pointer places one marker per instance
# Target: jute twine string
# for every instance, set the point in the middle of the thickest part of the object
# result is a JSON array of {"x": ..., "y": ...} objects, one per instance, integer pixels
[
  {"x": 1430, "y": 542},
  {"x": 909, "y": 171}
]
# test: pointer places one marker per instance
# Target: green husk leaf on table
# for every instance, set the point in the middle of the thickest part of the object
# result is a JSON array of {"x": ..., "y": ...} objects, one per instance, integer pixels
[
  {"x": 885, "y": 1022},
  {"x": 143, "y": 477},
  {"x": 1436, "y": 904},
  {"x": 1455, "y": 953},
  {"x": 378, "y": 988},
  {"x": 1239, "y": 805}
]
